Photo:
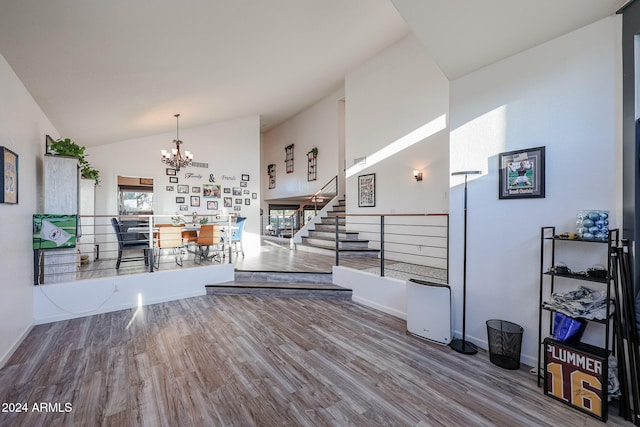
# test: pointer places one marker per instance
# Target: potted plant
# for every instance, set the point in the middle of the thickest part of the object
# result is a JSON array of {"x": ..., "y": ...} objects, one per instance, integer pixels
[{"x": 66, "y": 147}]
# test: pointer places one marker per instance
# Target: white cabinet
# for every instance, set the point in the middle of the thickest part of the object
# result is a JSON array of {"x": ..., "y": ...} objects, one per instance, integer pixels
[{"x": 61, "y": 178}]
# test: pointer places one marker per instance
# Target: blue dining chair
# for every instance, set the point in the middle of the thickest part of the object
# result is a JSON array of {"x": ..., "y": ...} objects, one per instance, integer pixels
[{"x": 236, "y": 236}]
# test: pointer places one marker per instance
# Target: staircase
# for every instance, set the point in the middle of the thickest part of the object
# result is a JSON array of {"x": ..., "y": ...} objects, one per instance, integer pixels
[{"x": 323, "y": 237}]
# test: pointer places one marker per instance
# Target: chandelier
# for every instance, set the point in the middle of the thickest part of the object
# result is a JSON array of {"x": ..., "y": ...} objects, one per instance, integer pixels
[{"x": 175, "y": 158}]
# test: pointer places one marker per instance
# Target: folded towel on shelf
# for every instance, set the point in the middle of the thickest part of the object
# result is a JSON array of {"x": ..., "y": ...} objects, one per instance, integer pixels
[{"x": 582, "y": 302}]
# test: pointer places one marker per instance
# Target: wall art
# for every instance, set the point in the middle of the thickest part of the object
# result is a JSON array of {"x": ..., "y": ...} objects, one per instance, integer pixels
[{"x": 521, "y": 174}]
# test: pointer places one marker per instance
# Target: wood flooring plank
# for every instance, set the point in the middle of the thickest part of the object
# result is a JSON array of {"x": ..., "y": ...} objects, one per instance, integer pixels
[{"x": 264, "y": 361}]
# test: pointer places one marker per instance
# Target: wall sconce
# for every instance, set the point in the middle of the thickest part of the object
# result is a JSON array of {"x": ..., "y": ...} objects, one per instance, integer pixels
[{"x": 417, "y": 175}]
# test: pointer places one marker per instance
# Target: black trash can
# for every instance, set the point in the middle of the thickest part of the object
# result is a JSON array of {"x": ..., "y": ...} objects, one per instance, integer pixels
[{"x": 505, "y": 342}]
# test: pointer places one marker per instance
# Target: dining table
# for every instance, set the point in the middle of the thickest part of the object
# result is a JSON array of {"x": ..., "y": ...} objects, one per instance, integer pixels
[{"x": 225, "y": 229}]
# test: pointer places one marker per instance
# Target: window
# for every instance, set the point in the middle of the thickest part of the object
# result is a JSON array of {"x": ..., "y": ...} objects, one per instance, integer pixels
[
  {"x": 280, "y": 220},
  {"x": 135, "y": 196}
]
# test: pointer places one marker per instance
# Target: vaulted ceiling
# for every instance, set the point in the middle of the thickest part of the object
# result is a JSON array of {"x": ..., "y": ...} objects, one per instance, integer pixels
[{"x": 109, "y": 71}]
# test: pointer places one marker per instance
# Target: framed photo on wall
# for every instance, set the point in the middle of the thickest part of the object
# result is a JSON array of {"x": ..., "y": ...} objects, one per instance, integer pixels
[
  {"x": 367, "y": 190},
  {"x": 173, "y": 179},
  {"x": 9, "y": 176},
  {"x": 183, "y": 189},
  {"x": 195, "y": 201},
  {"x": 179, "y": 199},
  {"x": 521, "y": 174},
  {"x": 170, "y": 171}
]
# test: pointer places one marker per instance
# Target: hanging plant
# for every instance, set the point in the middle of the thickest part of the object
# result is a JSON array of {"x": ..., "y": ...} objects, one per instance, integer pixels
[
  {"x": 66, "y": 147},
  {"x": 288, "y": 147},
  {"x": 313, "y": 152}
]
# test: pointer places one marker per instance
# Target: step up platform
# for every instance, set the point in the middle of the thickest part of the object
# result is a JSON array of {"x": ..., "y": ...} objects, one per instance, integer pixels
[{"x": 290, "y": 290}]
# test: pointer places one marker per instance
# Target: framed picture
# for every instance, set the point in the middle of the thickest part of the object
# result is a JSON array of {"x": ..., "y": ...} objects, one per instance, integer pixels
[
  {"x": 183, "y": 189},
  {"x": 169, "y": 188},
  {"x": 179, "y": 199},
  {"x": 254, "y": 195},
  {"x": 173, "y": 179},
  {"x": 367, "y": 190},
  {"x": 237, "y": 191},
  {"x": 195, "y": 189},
  {"x": 238, "y": 201},
  {"x": 521, "y": 174},
  {"x": 51, "y": 231},
  {"x": 195, "y": 201},
  {"x": 244, "y": 177},
  {"x": 247, "y": 201},
  {"x": 9, "y": 176},
  {"x": 212, "y": 205},
  {"x": 184, "y": 207},
  {"x": 171, "y": 171},
  {"x": 246, "y": 192},
  {"x": 227, "y": 190},
  {"x": 228, "y": 202},
  {"x": 243, "y": 183},
  {"x": 237, "y": 208}
]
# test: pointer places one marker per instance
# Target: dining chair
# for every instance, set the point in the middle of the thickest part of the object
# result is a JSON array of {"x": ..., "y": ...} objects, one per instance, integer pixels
[
  {"x": 189, "y": 237},
  {"x": 236, "y": 236},
  {"x": 209, "y": 239},
  {"x": 168, "y": 237},
  {"x": 130, "y": 241}
]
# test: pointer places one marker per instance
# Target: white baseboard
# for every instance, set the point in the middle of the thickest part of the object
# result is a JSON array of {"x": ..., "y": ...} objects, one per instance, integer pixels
[{"x": 5, "y": 358}]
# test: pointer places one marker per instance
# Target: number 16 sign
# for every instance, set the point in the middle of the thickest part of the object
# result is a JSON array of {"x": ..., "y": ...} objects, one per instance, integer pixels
[{"x": 577, "y": 377}]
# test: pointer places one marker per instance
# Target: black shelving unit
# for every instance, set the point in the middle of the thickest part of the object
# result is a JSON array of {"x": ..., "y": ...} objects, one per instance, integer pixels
[{"x": 550, "y": 242}]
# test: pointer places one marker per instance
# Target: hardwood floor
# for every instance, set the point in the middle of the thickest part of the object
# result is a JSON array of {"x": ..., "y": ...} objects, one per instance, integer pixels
[{"x": 263, "y": 361}]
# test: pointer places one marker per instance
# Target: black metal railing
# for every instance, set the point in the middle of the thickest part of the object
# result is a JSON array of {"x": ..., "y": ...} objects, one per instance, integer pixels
[{"x": 416, "y": 244}]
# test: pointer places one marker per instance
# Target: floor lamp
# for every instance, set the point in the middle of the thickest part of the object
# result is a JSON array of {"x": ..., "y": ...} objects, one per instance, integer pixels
[{"x": 460, "y": 345}]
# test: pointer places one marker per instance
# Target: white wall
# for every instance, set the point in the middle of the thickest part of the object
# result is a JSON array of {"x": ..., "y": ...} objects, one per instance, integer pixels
[
  {"x": 71, "y": 300},
  {"x": 230, "y": 148},
  {"x": 317, "y": 126},
  {"x": 565, "y": 95},
  {"x": 22, "y": 129},
  {"x": 390, "y": 96}
]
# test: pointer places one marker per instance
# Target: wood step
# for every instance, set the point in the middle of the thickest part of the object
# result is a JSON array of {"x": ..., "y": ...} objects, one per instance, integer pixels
[
  {"x": 242, "y": 276},
  {"x": 290, "y": 290},
  {"x": 331, "y": 243},
  {"x": 342, "y": 253},
  {"x": 329, "y": 235}
]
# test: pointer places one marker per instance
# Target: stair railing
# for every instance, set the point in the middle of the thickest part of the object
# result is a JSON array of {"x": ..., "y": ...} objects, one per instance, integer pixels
[
  {"x": 432, "y": 237},
  {"x": 327, "y": 192}
]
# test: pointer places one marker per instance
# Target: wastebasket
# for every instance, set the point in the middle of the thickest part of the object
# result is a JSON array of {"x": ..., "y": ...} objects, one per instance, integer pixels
[{"x": 505, "y": 342}]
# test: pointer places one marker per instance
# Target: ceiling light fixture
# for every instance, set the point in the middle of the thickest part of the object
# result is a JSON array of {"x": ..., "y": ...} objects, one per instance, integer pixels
[{"x": 175, "y": 158}]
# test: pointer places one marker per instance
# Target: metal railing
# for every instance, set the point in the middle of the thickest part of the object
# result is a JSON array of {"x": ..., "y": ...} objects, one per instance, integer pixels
[
  {"x": 320, "y": 197},
  {"x": 414, "y": 244},
  {"x": 97, "y": 248}
]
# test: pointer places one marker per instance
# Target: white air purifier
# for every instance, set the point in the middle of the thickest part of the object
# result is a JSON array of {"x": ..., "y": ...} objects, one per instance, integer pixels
[{"x": 429, "y": 311}]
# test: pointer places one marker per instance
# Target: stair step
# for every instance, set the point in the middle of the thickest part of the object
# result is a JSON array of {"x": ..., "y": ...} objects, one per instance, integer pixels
[
  {"x": 343, "y": 253},
  {"x": 330, "y": 227},
  {"x": 331, "y": 243},
  {"x": 359, "y": 253},
  {"x": 327, "y": 234},
  {"x": 282, "y": 277},
  {"x": 292, "y": 290}
]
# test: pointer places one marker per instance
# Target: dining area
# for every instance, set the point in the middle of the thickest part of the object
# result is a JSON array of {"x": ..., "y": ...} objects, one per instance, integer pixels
[{"x": 205, "y": 239}]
